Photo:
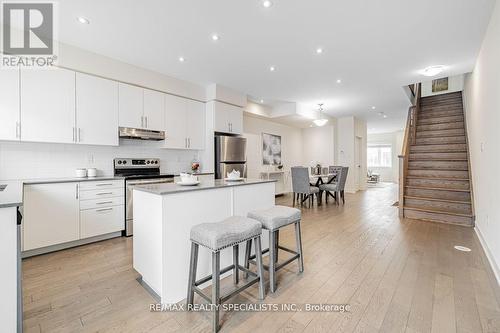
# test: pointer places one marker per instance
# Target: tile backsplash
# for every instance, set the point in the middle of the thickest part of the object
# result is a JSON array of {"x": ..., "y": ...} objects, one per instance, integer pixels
[{"x": 22, "y": 160}]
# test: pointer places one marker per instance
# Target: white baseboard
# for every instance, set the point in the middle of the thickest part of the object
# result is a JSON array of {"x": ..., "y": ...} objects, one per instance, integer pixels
[{"x": 490, "y": 257}]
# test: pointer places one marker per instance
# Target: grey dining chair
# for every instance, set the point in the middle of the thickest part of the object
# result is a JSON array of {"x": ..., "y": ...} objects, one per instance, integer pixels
[
  {"x": 301, "y": 186},
  {"x": 336, "y": 189}
]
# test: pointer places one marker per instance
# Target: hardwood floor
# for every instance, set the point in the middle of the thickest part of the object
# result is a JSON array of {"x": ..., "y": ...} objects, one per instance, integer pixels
[{"x": 395, "y": 275}]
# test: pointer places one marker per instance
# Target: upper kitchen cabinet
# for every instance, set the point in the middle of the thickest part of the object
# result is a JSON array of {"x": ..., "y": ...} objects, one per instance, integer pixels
[
  {"x": 10, "y": 125},
  {"x": 96, "y": 110},
  {"x": 48, "y": 105},
  {"x": 196, "y": 121},
  {"x": 141, "y": 108},
  {"x": 184, "y": 123},
  {"x": 154, "y": 110},
  {"x": 175, "y": 122},
  {"x": 227, "y": 118},
  {"x": 130, "y": 105}
]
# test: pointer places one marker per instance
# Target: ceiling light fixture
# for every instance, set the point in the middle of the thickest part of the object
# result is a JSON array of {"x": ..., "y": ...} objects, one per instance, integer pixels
[
  {"x": 181, "y": 59},
  {"x": 373, "y": 107},
  {"x": 83, "y": 20},
  {"x": 319, "y": 50},
  {"x": 267, "y": 3},
  {"x": 272, "y": 68},
  {"x": 262, "y": 101},
  {"x": 215, "y": 37},
  {"x": 320, "y": 121},
  {"x": 339, "y": 81},
  {"x": 385, "y": 116},
  {"x": 432, "y": 70}
]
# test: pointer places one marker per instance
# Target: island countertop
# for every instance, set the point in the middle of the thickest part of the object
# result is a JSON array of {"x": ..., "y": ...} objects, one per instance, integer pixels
[
  {"x": 11, "y": 194},
  {"x": 171, "y": 188}
]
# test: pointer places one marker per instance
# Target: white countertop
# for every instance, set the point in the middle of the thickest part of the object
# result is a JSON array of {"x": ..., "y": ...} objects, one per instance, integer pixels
[{"x": 12, "y": 195}]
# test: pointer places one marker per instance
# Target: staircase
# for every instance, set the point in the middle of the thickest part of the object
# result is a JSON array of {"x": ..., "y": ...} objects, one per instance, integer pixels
[{"x": 437, "y": 185}]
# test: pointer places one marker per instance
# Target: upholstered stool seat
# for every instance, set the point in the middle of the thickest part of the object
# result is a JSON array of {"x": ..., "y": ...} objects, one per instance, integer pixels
[
  {"x": 231, "y": 231},
  {"x": 273, "y": 219},
  {"x": 276, "y": 217},
  {"x": 217, "y": 236}
]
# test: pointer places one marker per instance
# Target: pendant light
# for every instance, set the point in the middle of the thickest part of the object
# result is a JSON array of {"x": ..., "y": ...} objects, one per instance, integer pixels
[{"x": 321, "y": 121}]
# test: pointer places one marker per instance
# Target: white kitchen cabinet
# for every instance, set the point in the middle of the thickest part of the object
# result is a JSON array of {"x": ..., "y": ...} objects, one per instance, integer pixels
[
  {"x": 100, "y": 221},
  {"x": 227, "y": 118},
  {"x": 130, "y": 105},
  {"x": 154, "y": 110},
  {"x": 184, "y": 123},
  {"x": 48, "y": 105},
  {"x": 196, "y": 120},
  {"x": 175, "y": 122},
  {"x": 51, "y": 215},
  {"x": 10, "y": 124},
  {"x": 96, "y": 110}
]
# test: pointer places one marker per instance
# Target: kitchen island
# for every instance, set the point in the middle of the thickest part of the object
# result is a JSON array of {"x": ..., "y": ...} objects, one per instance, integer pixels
[{"x": 163, "y": 217}]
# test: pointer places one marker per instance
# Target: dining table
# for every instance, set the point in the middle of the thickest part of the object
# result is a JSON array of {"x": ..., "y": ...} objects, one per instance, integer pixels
[{"x": 327, "y": 178}]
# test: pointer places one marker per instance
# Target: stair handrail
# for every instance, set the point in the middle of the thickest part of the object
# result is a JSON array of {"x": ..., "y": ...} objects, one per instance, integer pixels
[{"x": 410, "y": 137}]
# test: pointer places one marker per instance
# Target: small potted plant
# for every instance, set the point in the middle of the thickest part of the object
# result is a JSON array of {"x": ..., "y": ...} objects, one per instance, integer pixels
[{"x": 195, "y": 166}]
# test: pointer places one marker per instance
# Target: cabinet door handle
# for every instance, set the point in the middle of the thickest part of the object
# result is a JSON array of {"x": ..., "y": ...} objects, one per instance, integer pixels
[
  {"x": 189, "y": 142},
  {"x": 104, "y": 184},
  {"x": 77, "y": 190},
  {"x": 104, "y": 193},
  {"x": 104, "y": 202},
  {"x": 74, "y": 140},
  {"x": 146, "y": 119},
  {"x": 17, "y": 130},
  {"x": 79, "y": 134},
  {"x": 142, "y": 121},
  {"x": 103, "y": 209}
]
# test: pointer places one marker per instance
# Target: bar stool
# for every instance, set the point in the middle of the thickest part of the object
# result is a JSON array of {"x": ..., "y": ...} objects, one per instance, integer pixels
[
  {"x": 273, "y": 219},
  {"x": 217, "y": 236}
]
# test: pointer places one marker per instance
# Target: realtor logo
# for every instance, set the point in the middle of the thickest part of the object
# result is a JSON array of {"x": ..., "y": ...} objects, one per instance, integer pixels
[{"x": 28, "y": 34}]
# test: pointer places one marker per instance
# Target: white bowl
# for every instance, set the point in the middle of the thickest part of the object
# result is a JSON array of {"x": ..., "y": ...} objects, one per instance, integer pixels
[{"x": 92, "y": 172}]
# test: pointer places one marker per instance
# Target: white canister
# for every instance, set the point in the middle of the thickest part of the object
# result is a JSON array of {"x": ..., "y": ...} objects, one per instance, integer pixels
[
  {"x": 81, "y": 173},
  {"x": 91, "y": 172}
]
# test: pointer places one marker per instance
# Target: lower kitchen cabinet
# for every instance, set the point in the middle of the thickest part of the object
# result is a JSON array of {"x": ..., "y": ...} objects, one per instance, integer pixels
[
  {"x": 95, "y": 222},
  {"x": 51, "y": 215},
  {"x": 61, "y": 213}
]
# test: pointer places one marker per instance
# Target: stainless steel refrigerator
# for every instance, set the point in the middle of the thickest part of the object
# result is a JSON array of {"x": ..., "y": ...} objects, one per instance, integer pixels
[{"x": 230, "y": 154}]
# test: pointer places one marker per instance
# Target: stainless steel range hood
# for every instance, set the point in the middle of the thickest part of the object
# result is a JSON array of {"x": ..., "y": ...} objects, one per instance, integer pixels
[{"x": 141, "y": 134}]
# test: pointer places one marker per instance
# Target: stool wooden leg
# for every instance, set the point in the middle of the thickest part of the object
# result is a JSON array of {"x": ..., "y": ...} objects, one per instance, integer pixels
[
  {"x": 298, "y": 239},
  {"x": 215, "y": 290},
  {"x": 276, "y": 243},
  {"x": 192, "y": 273},
  {"x": 260, "y": 268},
  {"x": 236, "y": 251},
  {"x": 293, "y": 200},
  {"x": 272, "y": 263},
  {"x": 248, "y": 249}
]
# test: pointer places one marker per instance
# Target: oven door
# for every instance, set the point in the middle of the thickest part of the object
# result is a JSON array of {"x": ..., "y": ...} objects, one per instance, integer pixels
[{"x": 129, "y": 210}]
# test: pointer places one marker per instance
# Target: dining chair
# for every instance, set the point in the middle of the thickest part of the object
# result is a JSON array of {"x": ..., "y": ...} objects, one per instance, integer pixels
[
  {"x": 342, "y": 182},
  {"x": 301, "y": 186},
  {"x": 331, "y": 188}
]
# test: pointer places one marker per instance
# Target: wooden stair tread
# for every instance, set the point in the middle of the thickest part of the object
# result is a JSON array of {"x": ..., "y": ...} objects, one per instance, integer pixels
[
  {"x": 437, "y": 151},
  {"x": 436, "y": 188},
  {"x": 439, "y": 159},
  {"x": 437, "y": 178},
  {"x": 439, "y": 200},
  {"x": 437, "y": 211}
]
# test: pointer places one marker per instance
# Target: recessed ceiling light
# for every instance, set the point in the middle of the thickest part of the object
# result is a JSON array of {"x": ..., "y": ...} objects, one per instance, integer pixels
[
  {"x": 83, "y": 20},
  {"x": 432, "y": 70},
  {"x": 262, "y": 101},
  {"x": 181, "y": 59},
  {"x": 319, "y": 50},
  {"x": 339, "y": 81},
  {"x": 267, "y": 3},
  {"x": 272, "y": 68},
  {"x": 215, "y": 37},
  {"x": 385, "y": 116},
  {"x": 373, "y": 107}
]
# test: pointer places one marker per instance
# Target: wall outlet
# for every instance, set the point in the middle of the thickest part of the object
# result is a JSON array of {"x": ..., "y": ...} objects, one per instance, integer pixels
[
  {"x": 482, "y": 147},
  {"x": 90, "y": 159}
]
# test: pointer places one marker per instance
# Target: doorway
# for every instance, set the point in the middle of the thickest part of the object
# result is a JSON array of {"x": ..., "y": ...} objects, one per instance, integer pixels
[{"x": 357, "y": 163}]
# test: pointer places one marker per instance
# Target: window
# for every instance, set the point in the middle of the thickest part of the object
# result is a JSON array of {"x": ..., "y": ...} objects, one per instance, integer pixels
[{"x": 380, "y": 156}]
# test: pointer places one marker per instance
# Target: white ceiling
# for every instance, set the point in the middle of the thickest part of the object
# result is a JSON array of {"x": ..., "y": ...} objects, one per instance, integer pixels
[{"x": 374, "y": 47}]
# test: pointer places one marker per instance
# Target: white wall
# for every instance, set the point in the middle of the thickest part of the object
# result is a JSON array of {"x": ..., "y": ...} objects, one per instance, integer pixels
[
  {"x": 455, "y": 83},
  {"x": 395, "y": 140},
  {"x": 41, "y": 160},
  {"x": 348, "y": 128},
  {"x": 482, "y": 104},
  {"x": 291, "y": 144},
  {"x": 318, "y": 145}
]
